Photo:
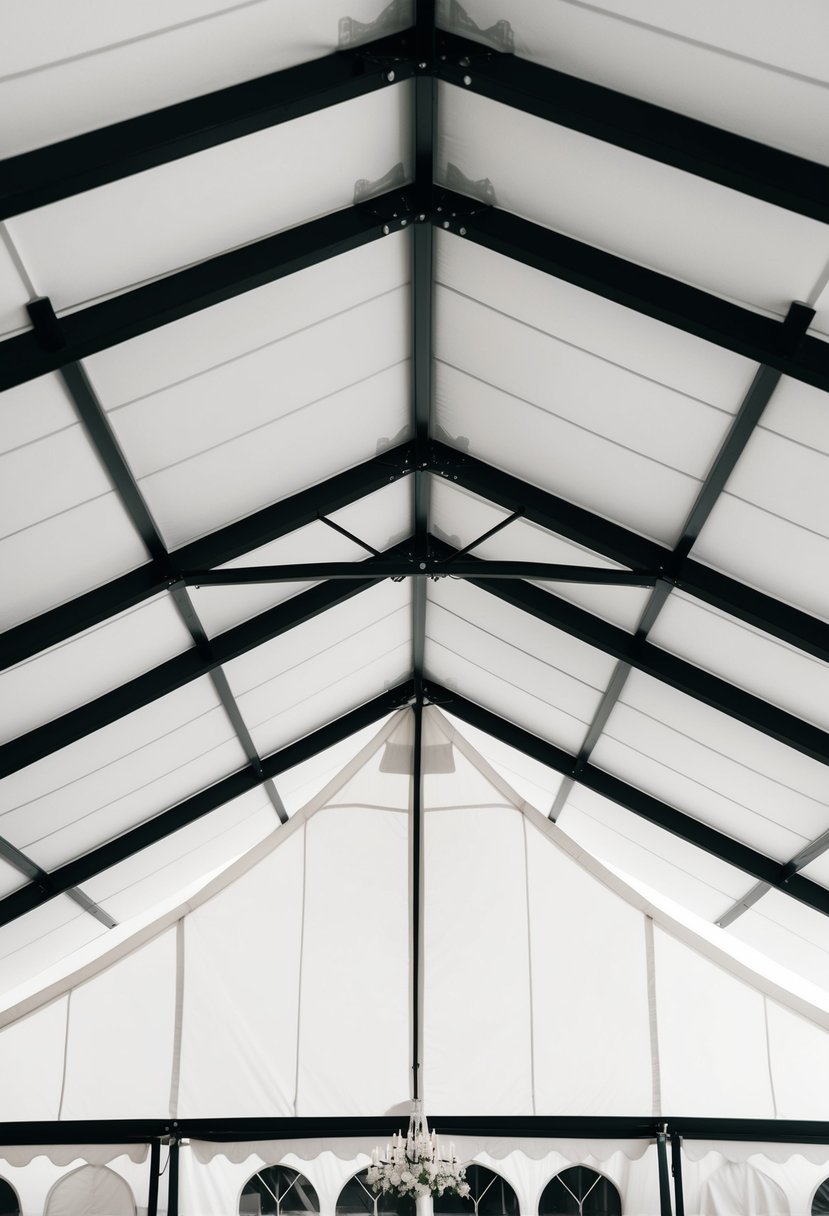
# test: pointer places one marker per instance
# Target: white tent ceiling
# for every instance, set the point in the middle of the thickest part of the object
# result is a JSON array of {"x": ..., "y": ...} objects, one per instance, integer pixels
[{"x": 416, "y": 374}]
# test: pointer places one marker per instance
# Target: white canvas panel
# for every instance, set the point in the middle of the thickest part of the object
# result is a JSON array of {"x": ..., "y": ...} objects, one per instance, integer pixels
[
  {"x": 647, "y": 855},
  {"x": 588, "y": 955},
  {"x": 111, "y": 62},
  {"x": 726, "y": 242},
  {"x": 571, "y": 384},
  {"x": 789, "y": 932},
  {"x": 90, "y": 664},
  {"x": 745, "y": 656},
  {"x": 47, "y": 935},
  {"x": 562, "y": 457},
  {"x": 746, "y": 67},
  {"x": 476, "y": 682},
  {"x": 14, "y": 295},
  {"x": 536, "y": 784},
  {"x": 312, "y": 669},
  {"x": 796, "y": 411},
  {"x": 74, "y": 799},
  {"x": 381, "y": 520},
  {"x": 785, "y": 478},
  {"x": 133, "y": 1003},
  {"x": 693, "y": 757},
  {"x": 221, "y": 484},
  {"x": 799, "y": 1064},
  {"x": 10, "y": 878},
  {"x": 52, "y": 561},
  {"x": 31, "y": 1064},
  {"x": 712, "y": 1037},
  {"x": 459, "y": 518},
  {"x": 190, "y": 209},
  {"x": 160, "y": 873},
  {"x": 238, "y": 1044},
  {"x": 620, "y": 337},
  {"x": 253, "y": 321},
  {"x": 477, "y": 987},
  {"x": 762, "y": 549},
  {"x": 34, "y": 411},
  {"x": 304, "y": 781}
]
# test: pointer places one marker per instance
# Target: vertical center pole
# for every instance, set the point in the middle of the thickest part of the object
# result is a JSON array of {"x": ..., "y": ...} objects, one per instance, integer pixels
[
  {"x": 422, "y": 254},
  {"x": 664, "y": 1177},
  {"x": 172, "y": 1180}
]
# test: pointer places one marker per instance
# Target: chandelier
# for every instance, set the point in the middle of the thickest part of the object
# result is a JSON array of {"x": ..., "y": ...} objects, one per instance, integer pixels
[{"x": 414, "y": 1167}]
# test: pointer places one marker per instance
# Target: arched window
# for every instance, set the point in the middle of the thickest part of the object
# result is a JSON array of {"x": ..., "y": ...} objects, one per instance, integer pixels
[
  {"x": 92, "y": 1190},
  {"x": 580, "y": 1191},
  {"x": 9, "y": 1203},
  {"x": 358, "y": 1199},
  {"x": 278, "y": 1190},
  {"x": 820, "y": 1203},
  {"x": 489, "y": 1195},
  {"x": 741, "y": 1190}
]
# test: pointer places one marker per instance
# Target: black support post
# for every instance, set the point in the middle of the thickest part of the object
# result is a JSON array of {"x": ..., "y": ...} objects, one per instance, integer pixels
[
  {"x": 676, "y": 1169},
  {"x": 172, "y": 1179},
  {"x": 155, "y": 1169},
  {"x": 665, "y": 1208}
]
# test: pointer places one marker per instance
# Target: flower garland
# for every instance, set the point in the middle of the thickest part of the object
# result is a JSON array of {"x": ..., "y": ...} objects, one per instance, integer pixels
[{"x": 414, "y": 1167}]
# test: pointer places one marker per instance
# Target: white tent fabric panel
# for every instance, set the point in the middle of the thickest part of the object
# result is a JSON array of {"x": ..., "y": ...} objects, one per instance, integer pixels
[
  {"x": 303, "y": 782},
  {"x": 789, "y": 932},
  {"x": 94, "y": 1190},
  {"x": 748, "y": 657},
  {"x": 381, "y": 520},
  {"x": 14, "y": 295},
  {"x": 102, "y": 1080},
  {"x": 328, "y": 664},
  {"x": 218, "y": 199},
  {"x": 555, "y": 454},
  {"x": 161, "y": 872},
  {"x": 736, "y": 1189},
  {"x": 10, "y": 878},
  {"x": 712, "y": 1038},
  {"x": 799, "y": 1064},
  {"x": 534, "y": 782},
  {"x": 107, "y": 782},
  {"x": 744, "y": 67},
  {"x": 625, "y": 340},
  {"x": 108, "y": 64},
  {"x": 33, "y": 1091},
  {"x": 646, "y": 854},
  {"x": 44, "y": 937},
  {"x": 726, "y": 242},
  {"x": 90, "y": 664},
  {"x": 694, "y": 757}
]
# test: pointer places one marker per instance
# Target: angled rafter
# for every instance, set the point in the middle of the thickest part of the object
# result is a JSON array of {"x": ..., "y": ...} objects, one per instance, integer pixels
[
  {"x": 34, "y": 179},
  {"x": 660, "y": 664},
  {"x": 93, "y": 607},
  {"x": 762, "y": 339},
  {"x": 639, "y": 126},
  {"x": 749, "y": 860},
  {"x": 174, "y": 673},
  {"x": 619, "y": 544},
  {"x": 165, "y": 824}
]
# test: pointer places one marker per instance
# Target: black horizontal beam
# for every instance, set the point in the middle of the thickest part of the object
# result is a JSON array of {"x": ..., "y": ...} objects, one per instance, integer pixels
[
  {"x": 409, "y": 567},
  {"x": 59, "y": 624},
  {"x": 778, "y": 344},
  {"x": 99, "y": 326},
  {"x": 174, "y": 673},
  {"x": 661, "y": 665},
  {"x": 726, "y": 848},
  {"x": 639, "y": 126},
  {"x": 382, "y": 1127},
  {"x": 47, "y": 885},
  {"x": 34, "y": 179},
  {"x": 619, "y": 544}
]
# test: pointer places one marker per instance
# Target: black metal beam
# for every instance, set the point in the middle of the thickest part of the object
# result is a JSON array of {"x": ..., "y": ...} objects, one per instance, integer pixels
[
  {"x": 639, "y": 126},
  {"x": 619, "y": 544},
  {"x": 726, "y": 848},
  {"x": 661, "y": 665},
  {"x": 59, "y": 624},
  {"x": 34, "y": 179},
  {"x": 220, "y": 278},
  {"x": 174, "y": 673},
  {"x": 409, "y": 567},
  {"x": 48, "y": 885},
  {"x": 372, "y": 1127},
  {"x": 759, "y": 338}
]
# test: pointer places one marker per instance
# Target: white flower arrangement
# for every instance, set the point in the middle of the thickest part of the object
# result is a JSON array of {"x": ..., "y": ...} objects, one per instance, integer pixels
[{"x": 414, "y": 1166}]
